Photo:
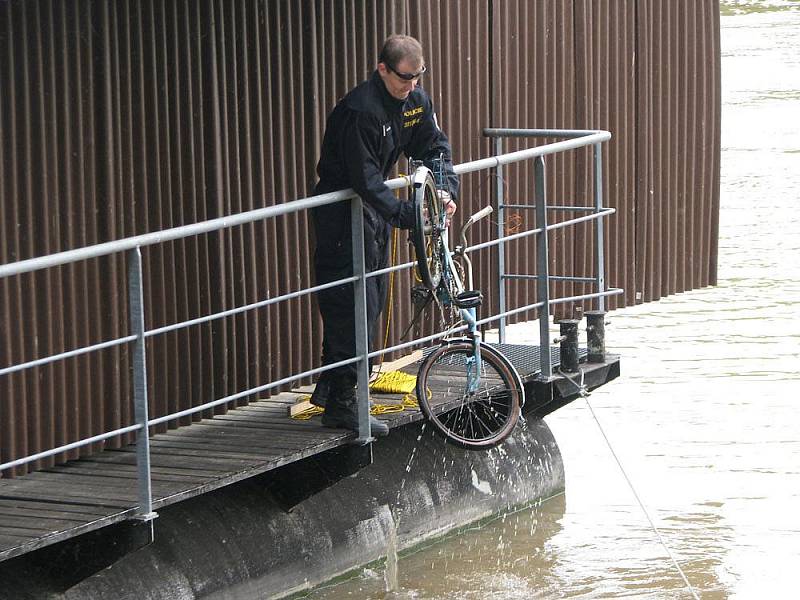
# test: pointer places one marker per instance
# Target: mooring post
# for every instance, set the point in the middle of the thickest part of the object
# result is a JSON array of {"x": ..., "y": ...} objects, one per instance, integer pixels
[
  {"x": 596, "y": 334},
  {"x": 569, "y": 345}
]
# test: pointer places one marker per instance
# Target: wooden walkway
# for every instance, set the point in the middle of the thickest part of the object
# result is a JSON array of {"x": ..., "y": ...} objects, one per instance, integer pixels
[{"x": 65, "y": 501}]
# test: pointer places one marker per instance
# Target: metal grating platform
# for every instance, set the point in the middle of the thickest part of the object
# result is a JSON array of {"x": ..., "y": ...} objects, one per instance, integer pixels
[{"x": 526, "y": 359}]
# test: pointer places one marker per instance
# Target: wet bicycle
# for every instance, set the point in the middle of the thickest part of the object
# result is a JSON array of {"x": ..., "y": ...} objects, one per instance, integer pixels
[{"x": 468, "y": 390}]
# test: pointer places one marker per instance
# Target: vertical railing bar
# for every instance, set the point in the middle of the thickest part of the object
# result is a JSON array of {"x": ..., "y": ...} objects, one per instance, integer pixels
[
  {"x": 136, "y": 309},
  {"x": 599, "y": 227},
  {"x": 501, "y": 248},
  {"x": 542, "y": 269},
  {"x": 361, "y": 331}
]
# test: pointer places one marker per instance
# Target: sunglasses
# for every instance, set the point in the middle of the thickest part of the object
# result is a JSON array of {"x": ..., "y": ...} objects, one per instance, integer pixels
[{"x": 406, "y": 76}]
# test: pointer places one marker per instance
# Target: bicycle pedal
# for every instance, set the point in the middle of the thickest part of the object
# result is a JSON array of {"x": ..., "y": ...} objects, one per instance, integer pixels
[{"x": 468, "y": 299}]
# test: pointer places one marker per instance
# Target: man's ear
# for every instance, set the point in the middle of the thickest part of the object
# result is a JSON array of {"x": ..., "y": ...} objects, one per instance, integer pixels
[{"x": 382, "y": 69}]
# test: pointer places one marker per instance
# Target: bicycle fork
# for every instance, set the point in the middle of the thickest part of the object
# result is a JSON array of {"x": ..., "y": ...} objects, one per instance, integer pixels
[{"x": 474, "y": 361}]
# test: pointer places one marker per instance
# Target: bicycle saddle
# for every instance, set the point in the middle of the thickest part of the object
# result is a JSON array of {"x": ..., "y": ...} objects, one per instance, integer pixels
[{"x": 468, "y": 299}]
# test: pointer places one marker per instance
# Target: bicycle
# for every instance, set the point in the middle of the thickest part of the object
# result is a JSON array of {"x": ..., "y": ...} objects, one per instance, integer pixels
[{"x": 467, "y": 389}]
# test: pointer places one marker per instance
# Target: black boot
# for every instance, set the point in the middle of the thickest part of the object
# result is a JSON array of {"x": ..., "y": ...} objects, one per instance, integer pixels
[
  {"x": 341, "y": 410},
  {"x": 322, "y": 391}
]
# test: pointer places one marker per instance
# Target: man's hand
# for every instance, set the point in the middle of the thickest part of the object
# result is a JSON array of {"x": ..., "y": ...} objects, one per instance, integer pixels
[{"x": 448, "y": 203}]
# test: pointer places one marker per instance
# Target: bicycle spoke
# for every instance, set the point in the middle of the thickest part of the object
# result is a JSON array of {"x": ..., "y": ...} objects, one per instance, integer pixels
[{"x": 473, "y": 420}]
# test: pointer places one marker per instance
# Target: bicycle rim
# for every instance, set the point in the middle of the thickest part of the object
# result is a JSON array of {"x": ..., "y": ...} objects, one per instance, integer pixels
[
  {"x": 477, "y": 420},
  {"x": 425, "y": 235}
]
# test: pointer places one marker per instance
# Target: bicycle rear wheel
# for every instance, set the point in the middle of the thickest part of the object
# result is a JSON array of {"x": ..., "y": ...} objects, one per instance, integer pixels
[
  {"x": 475, "y": 420},
  {"x": 426, "y": 233}
]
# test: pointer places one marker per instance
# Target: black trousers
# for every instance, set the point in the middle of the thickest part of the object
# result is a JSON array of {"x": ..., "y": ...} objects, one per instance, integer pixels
[{"x": 337, "y": 304}]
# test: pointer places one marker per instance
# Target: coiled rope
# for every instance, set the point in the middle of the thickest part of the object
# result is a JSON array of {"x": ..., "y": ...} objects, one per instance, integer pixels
[
  {"x": 392, "y": 382},
  {"x": 584, "y": 393}
]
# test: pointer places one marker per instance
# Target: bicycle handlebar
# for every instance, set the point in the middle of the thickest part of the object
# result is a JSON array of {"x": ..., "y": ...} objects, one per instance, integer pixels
[{"x": 462, "y": 236}]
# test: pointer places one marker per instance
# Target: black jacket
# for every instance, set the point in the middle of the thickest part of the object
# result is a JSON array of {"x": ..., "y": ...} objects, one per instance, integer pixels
[{"x": 365, "y": 134}]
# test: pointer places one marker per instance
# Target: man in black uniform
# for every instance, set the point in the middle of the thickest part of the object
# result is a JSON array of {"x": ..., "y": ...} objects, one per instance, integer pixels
[{"x": 365, "y": 134}]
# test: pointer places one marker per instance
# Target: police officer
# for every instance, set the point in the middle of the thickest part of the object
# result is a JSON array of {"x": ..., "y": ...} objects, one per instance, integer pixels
[{"x": 366, "y": 132}]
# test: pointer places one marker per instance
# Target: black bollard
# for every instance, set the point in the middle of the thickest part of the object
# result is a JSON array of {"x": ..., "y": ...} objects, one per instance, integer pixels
[
  {"x": 569, "y": 345},
  {"x": 596, "y": 334}
]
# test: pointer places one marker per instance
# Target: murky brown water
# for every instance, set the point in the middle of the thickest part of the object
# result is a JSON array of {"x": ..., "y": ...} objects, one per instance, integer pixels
[{"x": 706, "y": 417}]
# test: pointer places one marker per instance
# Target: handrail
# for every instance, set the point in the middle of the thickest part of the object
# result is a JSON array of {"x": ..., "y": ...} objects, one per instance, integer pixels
[
  {"x": 258, "y": 214},
  {"x": 132, "y": 245},
  {"x": 578, "y": 138}
]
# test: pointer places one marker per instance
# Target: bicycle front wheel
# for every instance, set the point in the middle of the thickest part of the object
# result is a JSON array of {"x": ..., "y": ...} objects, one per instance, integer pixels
[{"x": 472, "y": 416}]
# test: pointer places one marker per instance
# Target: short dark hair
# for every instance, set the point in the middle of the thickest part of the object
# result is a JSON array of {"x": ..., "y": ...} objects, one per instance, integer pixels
[{"x": 398, "y": 47}]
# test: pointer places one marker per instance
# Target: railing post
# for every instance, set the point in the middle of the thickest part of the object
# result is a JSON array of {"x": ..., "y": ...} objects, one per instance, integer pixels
[
  {"x": 542, "y": 269},
  {"x": 136, "y": 310},
  {"x": 599, "y": 230},
  {"x": 361, "y": 332},
  {"x": 501, "y": 248}
]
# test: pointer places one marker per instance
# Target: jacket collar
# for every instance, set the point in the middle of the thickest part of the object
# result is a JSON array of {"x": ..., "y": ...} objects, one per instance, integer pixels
[{"x": 390, "y": 103}]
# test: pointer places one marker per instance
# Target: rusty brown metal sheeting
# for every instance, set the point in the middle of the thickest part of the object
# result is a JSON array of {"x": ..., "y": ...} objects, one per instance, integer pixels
[{"x": 123, "y": 118}]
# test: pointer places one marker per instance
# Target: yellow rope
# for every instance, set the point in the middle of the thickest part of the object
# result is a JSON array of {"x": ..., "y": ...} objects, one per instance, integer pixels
[
  {"x": 393, "y": 382},
  {"x": 311, "y": 411}
]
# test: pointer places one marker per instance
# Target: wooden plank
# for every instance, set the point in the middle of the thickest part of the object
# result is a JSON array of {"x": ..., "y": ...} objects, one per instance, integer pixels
[
  {"x": 23, "y": 531},
  {"x": 219, "y": 468},
  {"x": 244, "y": 442},
  {"x": 208, "y": 448},
  {"x": 12, "y": 540},
  {"x": 41, "y": 489},
  {"x": 259, "y": 432},
  {"x": 177, "y": 459},
  {"x": 125, "y": 472},
  {"x": 46, "y": 526},
  {"x": 300, "y": 407},
  {"x": 112, "y": 457},
  {"x": 52, "y": 514},
  {"x": 254, "y": 411},
  {"x": 123, "y": 488},
  {"x": 306, "y": 430},
  {"x": 264, "y": 432},
  {"x": 63, "y": 507},
  {"x": 404, "y": 362},
  {"x": 187, "y": 472}
]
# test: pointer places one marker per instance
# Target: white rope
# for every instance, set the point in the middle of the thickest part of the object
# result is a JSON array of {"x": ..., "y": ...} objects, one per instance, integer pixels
[{"x": 584, "y": 393}]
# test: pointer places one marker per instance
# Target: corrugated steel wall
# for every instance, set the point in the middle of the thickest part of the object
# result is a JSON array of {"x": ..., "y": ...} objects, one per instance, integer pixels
[{"x": 122, "y": 118}]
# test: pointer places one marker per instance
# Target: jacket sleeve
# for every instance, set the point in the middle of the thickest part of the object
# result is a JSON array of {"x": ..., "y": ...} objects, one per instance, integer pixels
[
  {"x": 430, "y": 142},
  {"x": 361, "y": 151}
]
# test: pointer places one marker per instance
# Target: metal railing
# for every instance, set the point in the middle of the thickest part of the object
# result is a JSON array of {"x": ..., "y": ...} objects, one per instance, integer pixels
[
  {"x": 132, "y": 246},
  {"x": 542, "y": 264}
]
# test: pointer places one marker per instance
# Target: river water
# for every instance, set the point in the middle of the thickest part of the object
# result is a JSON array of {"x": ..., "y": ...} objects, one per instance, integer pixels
[{"x": 706, "y": 415}]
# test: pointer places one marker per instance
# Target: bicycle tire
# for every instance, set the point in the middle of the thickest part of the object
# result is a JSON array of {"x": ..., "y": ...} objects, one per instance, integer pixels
[
  {"x": 425, "y": 235},
  {"x": 476, "y": 421}
]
